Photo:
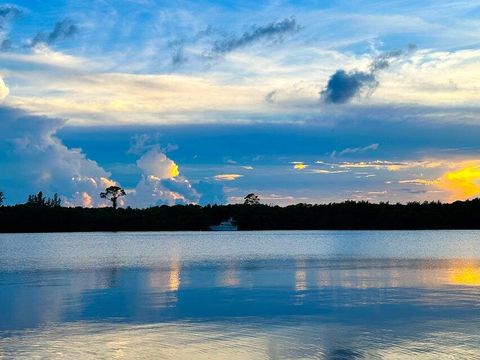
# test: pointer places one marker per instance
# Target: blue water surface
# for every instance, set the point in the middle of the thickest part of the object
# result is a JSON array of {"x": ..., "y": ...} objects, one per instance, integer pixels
[{"x": 241, "y": 295}]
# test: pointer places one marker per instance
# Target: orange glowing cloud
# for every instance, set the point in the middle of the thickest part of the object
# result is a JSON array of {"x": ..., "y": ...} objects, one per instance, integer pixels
[
  {"x": 157, "y": 164},
  {"x": 87, "y": 200},
  {"x": 107, "y": 182},
  {"x": 173, "y": 168},
  {"x": 462, "y": 182},
  {"x": 227, "y": 177},
  {"x": 298, "y": 165}
]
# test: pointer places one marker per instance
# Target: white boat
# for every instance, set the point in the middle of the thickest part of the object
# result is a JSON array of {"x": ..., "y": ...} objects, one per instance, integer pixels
[{"x": 229, "y": 225}]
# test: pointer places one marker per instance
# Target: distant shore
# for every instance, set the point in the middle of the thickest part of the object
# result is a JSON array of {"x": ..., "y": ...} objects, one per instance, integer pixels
[{"x": 348, "y": 215}]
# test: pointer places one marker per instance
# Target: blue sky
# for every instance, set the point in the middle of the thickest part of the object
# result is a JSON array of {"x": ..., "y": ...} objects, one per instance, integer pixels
[{"x": 204, "y": 102}]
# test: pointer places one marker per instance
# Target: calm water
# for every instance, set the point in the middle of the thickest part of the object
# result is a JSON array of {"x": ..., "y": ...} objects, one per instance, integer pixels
[{"x": 256, "y": 295}]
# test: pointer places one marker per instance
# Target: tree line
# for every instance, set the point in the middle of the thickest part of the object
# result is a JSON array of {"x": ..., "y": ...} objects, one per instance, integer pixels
[{"x": 43, "y": 214}]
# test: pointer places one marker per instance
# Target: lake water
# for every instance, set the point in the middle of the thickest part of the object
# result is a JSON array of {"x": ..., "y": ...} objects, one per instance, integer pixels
[{"x": 241, "y": 295}]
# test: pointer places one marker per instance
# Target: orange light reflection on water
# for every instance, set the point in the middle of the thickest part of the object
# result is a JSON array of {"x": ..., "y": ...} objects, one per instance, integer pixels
[{"x": 465, "y": 273}]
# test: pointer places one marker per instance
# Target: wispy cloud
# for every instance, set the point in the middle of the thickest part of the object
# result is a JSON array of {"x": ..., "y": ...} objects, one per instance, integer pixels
[
  {"x": 355, "y": 150},
  {"x": 227, "y": 177},
  {"x": 62, "y": 30},
  {"x": 8, "y": 12},
  {"x": 417, "y": 181},
  {"x": 323, "y": 171},
  {"x": 274, "y": 31}
]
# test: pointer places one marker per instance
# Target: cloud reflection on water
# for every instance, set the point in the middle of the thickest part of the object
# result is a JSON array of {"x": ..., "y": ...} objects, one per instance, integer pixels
[{"x": 260, "y": 307}]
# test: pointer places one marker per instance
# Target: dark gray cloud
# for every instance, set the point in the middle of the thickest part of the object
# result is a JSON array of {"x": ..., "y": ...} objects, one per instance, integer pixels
[
  {"x": 274, "y": 31},
  {"x": 270, "y": 97},
  {"x": 63, "y": 30},
  {"x": 343, "y": 86}
]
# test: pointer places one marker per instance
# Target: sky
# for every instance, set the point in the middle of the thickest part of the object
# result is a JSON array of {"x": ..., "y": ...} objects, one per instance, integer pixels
[{"x": 206, "y": 101}]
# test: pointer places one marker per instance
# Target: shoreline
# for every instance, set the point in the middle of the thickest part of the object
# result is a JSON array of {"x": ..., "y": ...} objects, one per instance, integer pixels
[{"x": 354, "y": 216}]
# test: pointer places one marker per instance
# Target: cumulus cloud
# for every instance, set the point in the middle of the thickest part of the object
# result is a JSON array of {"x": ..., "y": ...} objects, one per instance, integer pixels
[
  {"x": 162, "y": 184},
  {"x": 62, "y": 30},
  {"x": 33, "y": 158},
  {"x": 3, "y": 90},
  {"x": 152, "y": 191},
  {"x": 343, "y": 86},
  {"x": 155, "y": 163},
  {"x": 274, "y": 31}
]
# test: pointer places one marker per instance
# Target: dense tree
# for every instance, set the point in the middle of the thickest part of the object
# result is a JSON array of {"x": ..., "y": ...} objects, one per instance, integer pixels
[
  {"x": 348, "y": 215},
  {"x": 2, "y": 198},
  {"x": 40, "y": 200},
  {"x": 112, "y": 193},
  {"x": 251, "y": 199}
]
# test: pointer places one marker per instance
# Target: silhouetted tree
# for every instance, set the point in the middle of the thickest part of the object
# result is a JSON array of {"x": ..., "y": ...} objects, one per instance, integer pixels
[
  {"x": 36, "y": 199},
  {"x": 40, "y": 200},
  {"x": 2, "y": 198},
  {"x": 112, "y": 193},
  {"x": 55, "y": 201},
  {"x": 251, "y": 199}
]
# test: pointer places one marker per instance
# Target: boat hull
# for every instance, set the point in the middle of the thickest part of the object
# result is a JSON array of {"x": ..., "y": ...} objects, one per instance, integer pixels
[{"x": 223, "y": 228}]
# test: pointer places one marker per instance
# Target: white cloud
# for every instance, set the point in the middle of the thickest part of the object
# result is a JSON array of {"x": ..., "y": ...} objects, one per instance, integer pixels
[
  {"x": 322, "y": 171},
  {"x": 34, "y": 159},
  {"x": 3, "y": 90},
  {"x": 162, "y": 184},
  {"x": 227, "y": 177},
  {"x": 93, "y": 91},
  {"x": 156, "y": 164},
  {"x": 355, "y": 150}
]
